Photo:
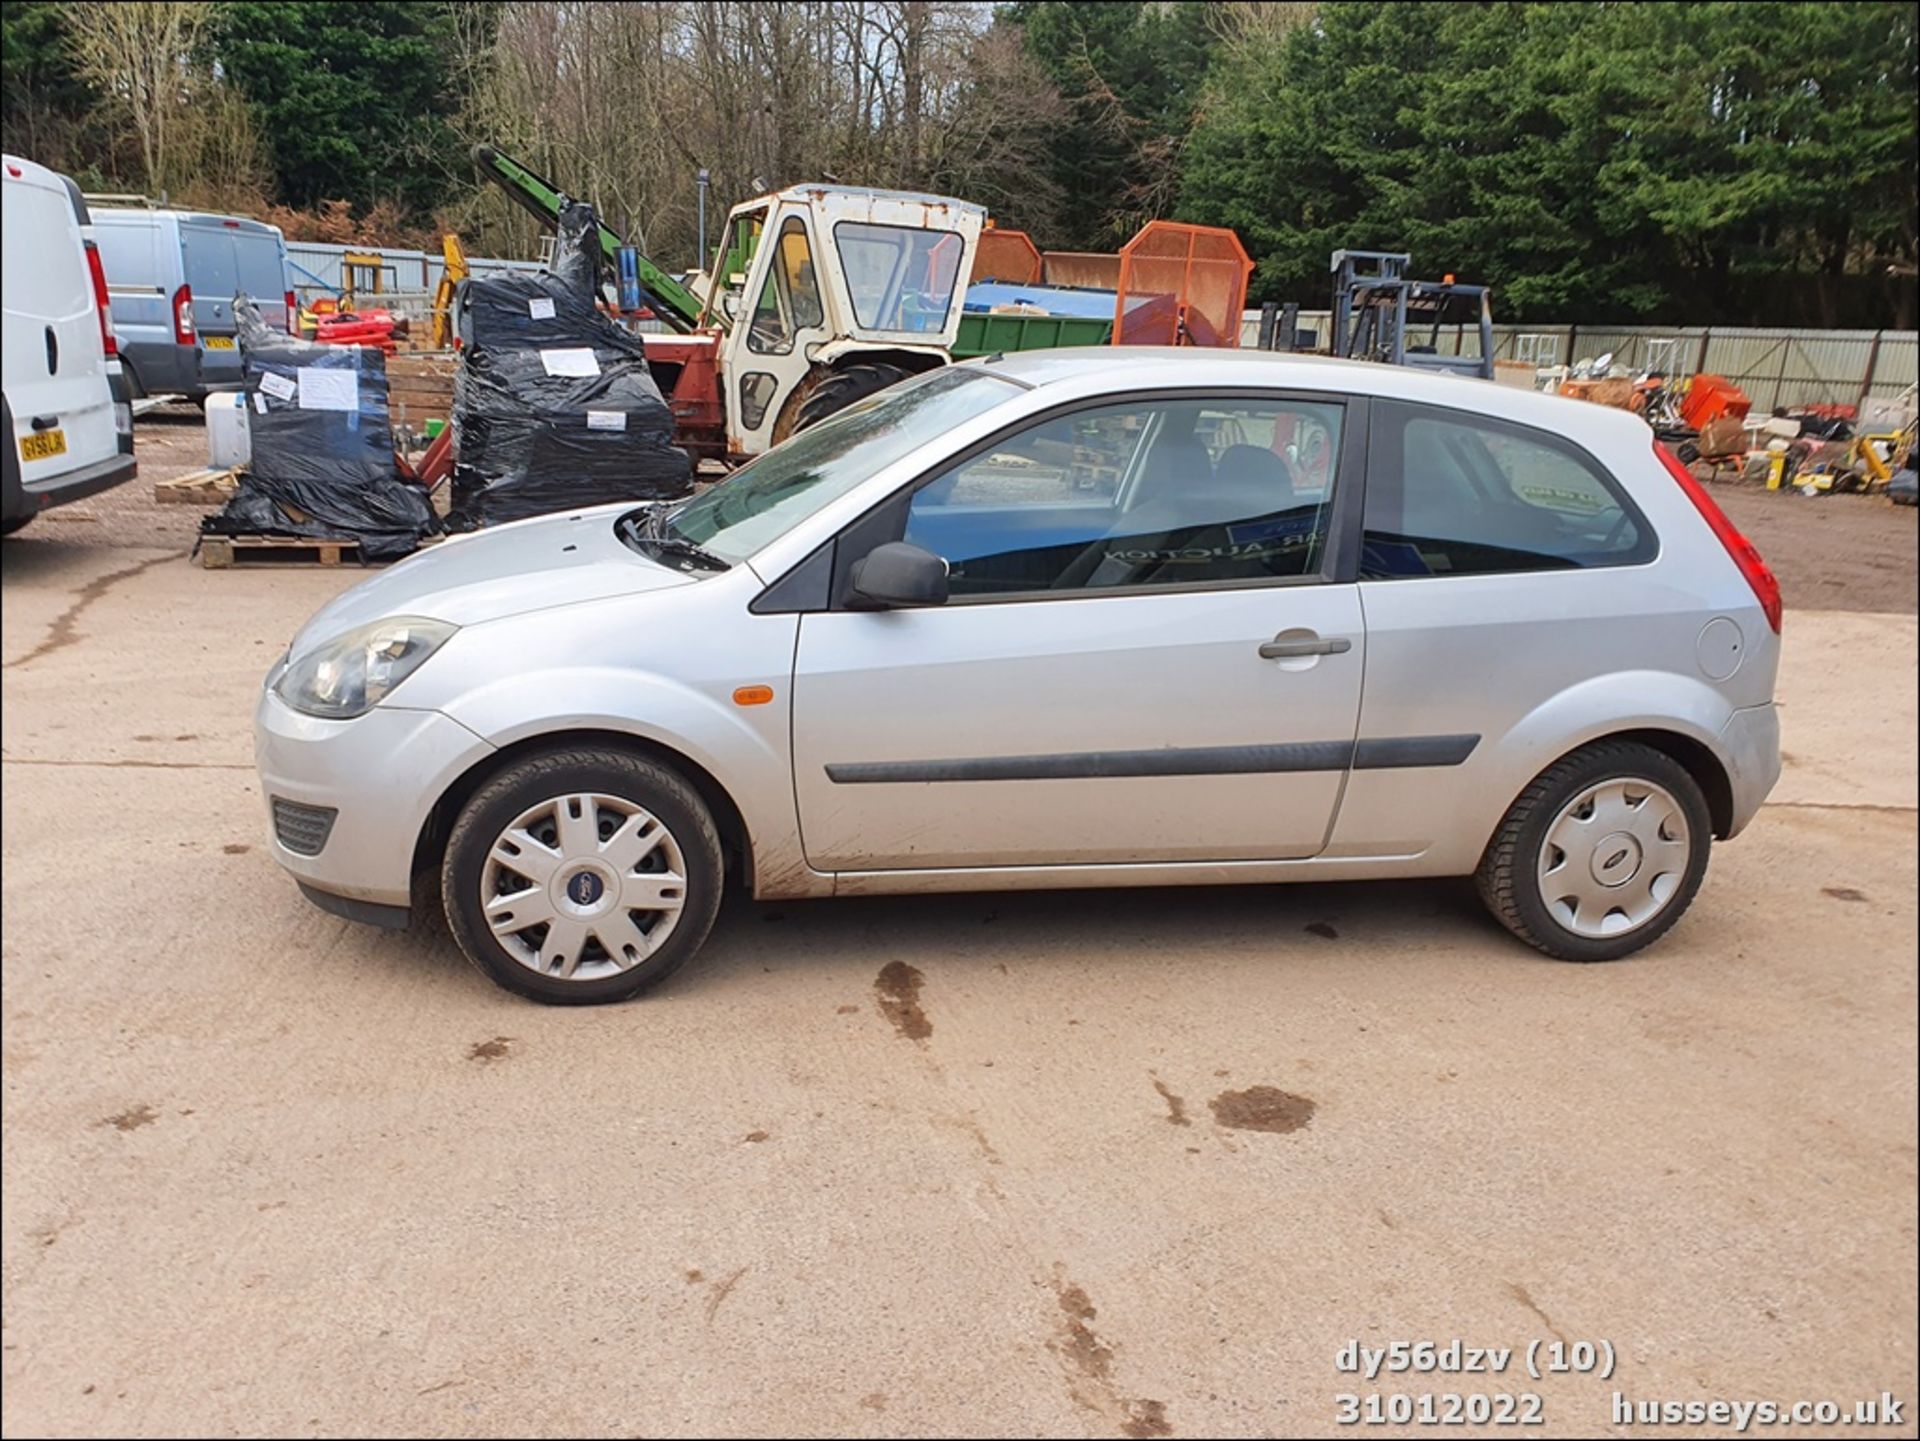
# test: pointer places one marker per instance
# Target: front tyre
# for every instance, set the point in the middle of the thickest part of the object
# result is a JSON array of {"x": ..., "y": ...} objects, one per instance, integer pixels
[
  {"x": 1601, "y": 855},
  {"x": 582, "y": 875}
]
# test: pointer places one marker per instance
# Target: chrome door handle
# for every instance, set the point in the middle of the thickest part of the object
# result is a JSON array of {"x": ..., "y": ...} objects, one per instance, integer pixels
[{"x": 1287, "y": 649}]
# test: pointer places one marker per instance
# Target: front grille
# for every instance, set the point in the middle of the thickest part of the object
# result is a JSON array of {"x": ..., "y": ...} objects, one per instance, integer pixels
[{"x": 302, "y": 829}]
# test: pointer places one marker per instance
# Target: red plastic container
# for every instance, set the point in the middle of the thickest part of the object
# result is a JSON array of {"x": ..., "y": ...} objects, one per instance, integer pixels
[{"x": 1709, "y": 398}]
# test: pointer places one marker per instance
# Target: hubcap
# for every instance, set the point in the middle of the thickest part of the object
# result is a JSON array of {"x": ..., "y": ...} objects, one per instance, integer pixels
[
  {"x": 1613, "y": 858},
  {"x": 582, "y": 887}
]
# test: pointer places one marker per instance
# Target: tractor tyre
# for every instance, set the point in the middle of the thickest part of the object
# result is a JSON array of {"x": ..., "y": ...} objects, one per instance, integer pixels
[{"x": 845, "y": 386}]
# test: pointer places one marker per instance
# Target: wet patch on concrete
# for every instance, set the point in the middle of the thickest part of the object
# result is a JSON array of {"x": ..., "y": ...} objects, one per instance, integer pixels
[
  {"x": 494, "y": 1050},
  {"x": 65, "y": 628},
  {"x": 1090, "y": 1368},
  {"x": 897, "y": 988},
  {"x": 1519, "y": 1293},
  {"x": 756, "y": 1136},
  {"x": 1843, "y": 893},
  {"x": 234, "y": 848},
  {"x": 722, "y": 1290},
  {"x": 131, "y": 1119},
  {"x": 1262, "y": 1108},
  {"x": 1176, "y": 1106},
  {"x": 1322, "y": 929}
]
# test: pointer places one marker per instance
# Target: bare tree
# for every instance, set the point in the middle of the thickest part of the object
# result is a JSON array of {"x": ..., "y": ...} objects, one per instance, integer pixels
[
  {"x": 623, "y": 103},
  {"x": 140, "y": 54}
]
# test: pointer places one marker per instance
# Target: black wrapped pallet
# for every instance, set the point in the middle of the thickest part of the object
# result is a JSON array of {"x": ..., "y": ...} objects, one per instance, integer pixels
[
  {"x": 322, "y": 445},
  {"x": 554, "y": 406}
]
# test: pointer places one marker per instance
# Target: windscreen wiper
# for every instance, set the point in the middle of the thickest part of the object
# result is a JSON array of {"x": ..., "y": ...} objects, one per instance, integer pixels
[{"x": 649, "y": 533}]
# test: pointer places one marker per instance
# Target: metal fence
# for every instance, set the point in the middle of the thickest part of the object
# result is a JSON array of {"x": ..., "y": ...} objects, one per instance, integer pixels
[
  {"x": 1774, "y": 367},
  {"x": 408, "y": 278}
]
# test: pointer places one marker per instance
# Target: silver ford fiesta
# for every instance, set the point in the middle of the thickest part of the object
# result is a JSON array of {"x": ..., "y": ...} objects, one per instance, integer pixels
[{"x": 1074, "y": 618}]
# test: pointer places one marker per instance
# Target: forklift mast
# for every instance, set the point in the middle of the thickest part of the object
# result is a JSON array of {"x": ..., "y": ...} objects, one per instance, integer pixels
[{"x": 1376, "y": 308}]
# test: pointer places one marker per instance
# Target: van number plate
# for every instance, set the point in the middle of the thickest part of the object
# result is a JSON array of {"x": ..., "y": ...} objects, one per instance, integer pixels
[
  {"x": 219, "y": 342},
  {"x": 43, "y": 444}
]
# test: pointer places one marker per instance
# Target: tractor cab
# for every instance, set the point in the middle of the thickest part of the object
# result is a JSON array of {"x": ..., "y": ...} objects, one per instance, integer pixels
[{"x": 828, "y": 294}]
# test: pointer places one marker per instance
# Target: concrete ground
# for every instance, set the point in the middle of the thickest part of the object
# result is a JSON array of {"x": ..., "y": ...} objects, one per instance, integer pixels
[{"x": 1079, "y": 1164}]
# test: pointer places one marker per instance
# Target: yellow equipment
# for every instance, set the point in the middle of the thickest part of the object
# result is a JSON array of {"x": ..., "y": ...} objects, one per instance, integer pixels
[
  {"x": 453, "y": 271},
  {"x": 360, "y": 274}
]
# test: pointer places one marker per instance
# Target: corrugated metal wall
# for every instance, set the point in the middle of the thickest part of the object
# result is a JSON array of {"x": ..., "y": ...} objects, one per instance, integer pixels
[
  {"x": 410, "y": 276},
  {"x": 1774, "y": 367}
]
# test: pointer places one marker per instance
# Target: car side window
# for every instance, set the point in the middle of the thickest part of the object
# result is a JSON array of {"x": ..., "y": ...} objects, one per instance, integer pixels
[
  {"x": 1450, "y": 493},
  {"x": 1169, "y": 493}
]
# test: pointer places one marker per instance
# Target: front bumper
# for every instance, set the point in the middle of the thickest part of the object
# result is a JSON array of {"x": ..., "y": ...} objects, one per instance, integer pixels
[
  {"x": 382, "y": 772},
  {"x": 1751, "y": 743}
]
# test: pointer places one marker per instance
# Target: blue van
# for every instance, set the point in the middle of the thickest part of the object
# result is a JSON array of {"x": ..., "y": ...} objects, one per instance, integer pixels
[{"x": 172, "y": 276}]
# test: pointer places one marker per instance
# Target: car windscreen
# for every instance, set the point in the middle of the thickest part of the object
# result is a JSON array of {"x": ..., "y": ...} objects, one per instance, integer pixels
[{"x": 765, "y": 499}]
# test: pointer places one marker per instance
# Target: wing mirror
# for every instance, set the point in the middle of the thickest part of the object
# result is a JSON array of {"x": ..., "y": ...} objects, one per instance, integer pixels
[{"x": 897, "y": 574}]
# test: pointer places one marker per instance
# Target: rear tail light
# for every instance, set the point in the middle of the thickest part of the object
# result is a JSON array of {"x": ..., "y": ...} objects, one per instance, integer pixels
[
  {"x": 1766, "y": 589},
  {"x": 293, "y": 314},
  {"x": 183, "y": 315},
  {"x": 109, "y": 347}
]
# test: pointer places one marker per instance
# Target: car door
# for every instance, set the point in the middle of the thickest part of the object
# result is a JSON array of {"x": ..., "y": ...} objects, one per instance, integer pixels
[{"x": 1150, "y": 652}]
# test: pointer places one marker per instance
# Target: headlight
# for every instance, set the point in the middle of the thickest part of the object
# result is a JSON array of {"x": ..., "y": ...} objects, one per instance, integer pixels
[{"x": 353, "y": 673}]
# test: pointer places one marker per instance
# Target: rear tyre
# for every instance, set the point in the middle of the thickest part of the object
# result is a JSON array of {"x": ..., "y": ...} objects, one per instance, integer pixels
[
  {"x": 844, "y": 387},
  {"x": 582, "y": 875},
  {"x": 8, "y": 527},
  {"x": 1600, "y": 855}
]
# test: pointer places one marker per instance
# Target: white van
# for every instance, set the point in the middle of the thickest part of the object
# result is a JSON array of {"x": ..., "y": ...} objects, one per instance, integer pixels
[
  {"x": 172, "y": 276},
  {"x": 66, "y": 436}
]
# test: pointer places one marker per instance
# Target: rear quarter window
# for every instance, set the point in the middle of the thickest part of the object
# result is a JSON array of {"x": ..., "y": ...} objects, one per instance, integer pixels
[
  {"x": 126, "y": 254},
  {"x": 1450, "y": 493}
]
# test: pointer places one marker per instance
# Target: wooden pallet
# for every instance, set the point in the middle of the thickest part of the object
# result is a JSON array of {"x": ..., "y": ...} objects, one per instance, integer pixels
[
  {"x": 237, "y": 552},
  {"x": 420, "y": 385},
  {"x": 228, "y": 552},
  {"x": 200, "y": 487}
]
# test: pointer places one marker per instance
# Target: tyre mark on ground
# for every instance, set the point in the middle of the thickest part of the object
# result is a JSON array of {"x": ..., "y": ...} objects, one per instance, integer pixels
[{"x": 63, "y": 632}]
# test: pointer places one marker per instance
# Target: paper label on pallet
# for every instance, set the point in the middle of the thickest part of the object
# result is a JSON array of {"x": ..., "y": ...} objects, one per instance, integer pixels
[
  {"x": 260, "y": 403},
  {"x": 540, "y": 308},
  {"x": 323, "y": 388},
  {"x": 278, "y": 386},
  {"x": 577, "y": 363},
  {"x": 606, "y": 420}
]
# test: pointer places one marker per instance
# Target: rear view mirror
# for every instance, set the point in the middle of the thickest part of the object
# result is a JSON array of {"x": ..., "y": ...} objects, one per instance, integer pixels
[{"x": 898, "y": 574}]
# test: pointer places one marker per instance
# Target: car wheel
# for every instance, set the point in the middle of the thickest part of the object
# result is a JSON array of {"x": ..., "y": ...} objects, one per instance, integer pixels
[
  {"x": 1601, "y": 855},
  {"x": 8, "y": 527},
  {"x": 582, "y": 876}
]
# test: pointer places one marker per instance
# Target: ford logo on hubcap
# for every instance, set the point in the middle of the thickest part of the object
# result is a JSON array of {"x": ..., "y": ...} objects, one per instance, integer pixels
[{"x": 584, "y": 889}]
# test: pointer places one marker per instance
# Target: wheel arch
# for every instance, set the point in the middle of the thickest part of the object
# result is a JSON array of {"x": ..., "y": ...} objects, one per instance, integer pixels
[{"x": 736, "y": 841}]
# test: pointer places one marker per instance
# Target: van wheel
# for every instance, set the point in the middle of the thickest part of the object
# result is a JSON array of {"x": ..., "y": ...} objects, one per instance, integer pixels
[
  {"x": 582, "y": 875},
  {"x": 1601, "y": 855}
]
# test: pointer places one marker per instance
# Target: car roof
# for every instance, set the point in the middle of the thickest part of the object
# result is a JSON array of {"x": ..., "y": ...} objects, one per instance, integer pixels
[{"x": 1157, "y": 367}]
